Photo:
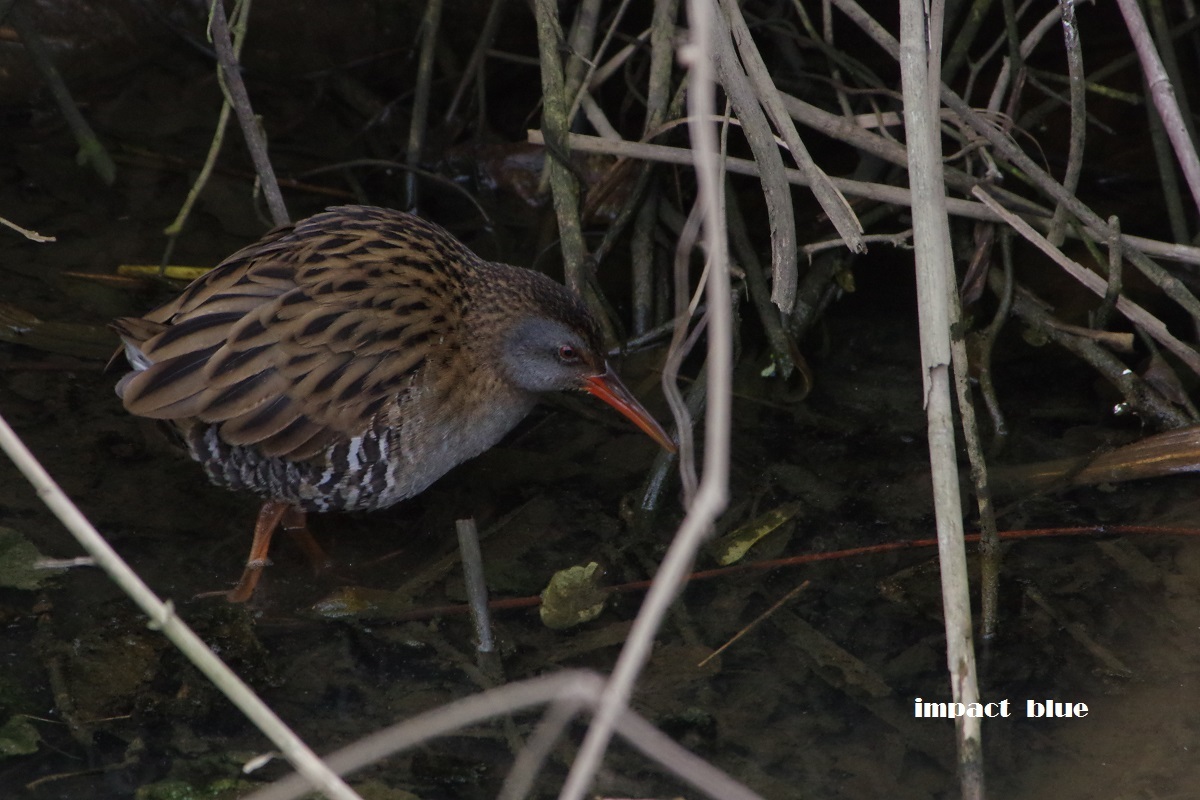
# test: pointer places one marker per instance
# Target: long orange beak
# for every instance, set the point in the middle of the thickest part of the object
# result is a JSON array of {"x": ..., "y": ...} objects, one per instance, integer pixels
[{"x": 608, "y": 387}]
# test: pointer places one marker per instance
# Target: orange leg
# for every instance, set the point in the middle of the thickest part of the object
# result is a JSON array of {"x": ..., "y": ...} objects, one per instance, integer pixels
[
  {"x": 295, "y": 522},
  {"x": 269, "y": 517},
  {"x": 275, "y": 514}
]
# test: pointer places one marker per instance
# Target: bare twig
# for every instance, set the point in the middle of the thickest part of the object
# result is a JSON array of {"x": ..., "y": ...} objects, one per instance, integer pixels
[
  {"x": 1163, "y": 94},
  {"x": 1132, "y": 311},
  {"x": 712, "y": 495},
  {"x": 475, "y": 63},
  {"x": 172, "y": 231},
  {"x": 760, "y": 293},
  {"x": 555, "y": 125},
  {"x": 239, "y": 98},
  {"x": 472, "y": 558},
  {"x": 1004, "y": 145},
  {"x": 833, "y": 203},
  {"x": 32, "y": 236},
  {"x": 163, "y": 617},
  {"x": 1139, "y": 395},
  {"x": 920, "y": 70},
  {"x": 658, "y": 89},
  {"x": 988, "y": 342},
  {"x": 572, "y": 688},
  {"x": 1070, "y": 180},
  {"x": 430, "y": 25},
  {"x": 742, "y": 96},
  {"x": 90, "y": 149},
  {"x": 1116, "y": 261},
  {"x": 883, "y": 193},
  {"x": 754, "y": 623}
]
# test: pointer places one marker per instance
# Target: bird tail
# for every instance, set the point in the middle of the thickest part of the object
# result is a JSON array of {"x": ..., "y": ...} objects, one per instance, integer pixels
[{"x": 133, "y": 332}]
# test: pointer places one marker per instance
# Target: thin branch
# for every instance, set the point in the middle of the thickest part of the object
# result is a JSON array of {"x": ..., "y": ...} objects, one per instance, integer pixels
[
  {"x": 90, "y": 149},
  {"x": 712, "y": 495},
  {"x": 32, "y": 236},
  {"x": 1004, "y": 145},
  {"x": 256, "y": 143},
  {"x": 571, "y": 688},
  {"x": 883, "y": 193},
  {"x": 1164, "y": 95},
  {"x": 1132, "y": 311},
  {"x": 555, "y": 125},
  {"x": 172, "y": 231},
  {"x": 778, "y": 197},
  {"x": 163, "y": 617},
  {"x": 430, "y": 25},
  {"x": 1078, "y": 117},
  {"x": 920, "y": 68}
]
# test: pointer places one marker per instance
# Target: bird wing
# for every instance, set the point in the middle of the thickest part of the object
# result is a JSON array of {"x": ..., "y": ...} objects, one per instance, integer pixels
[{"x": 300, "y": 341}]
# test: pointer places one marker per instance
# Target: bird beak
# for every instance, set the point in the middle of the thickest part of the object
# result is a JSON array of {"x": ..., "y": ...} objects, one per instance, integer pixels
[{"x": 608, "y": 387}]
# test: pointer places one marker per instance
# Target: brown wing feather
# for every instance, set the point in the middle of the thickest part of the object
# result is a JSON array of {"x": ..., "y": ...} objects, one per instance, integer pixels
[{"x": 291, "y": 344}]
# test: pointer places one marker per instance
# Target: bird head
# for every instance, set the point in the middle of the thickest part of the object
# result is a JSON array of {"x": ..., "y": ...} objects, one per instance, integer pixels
[{"x": 543, "y": 354}]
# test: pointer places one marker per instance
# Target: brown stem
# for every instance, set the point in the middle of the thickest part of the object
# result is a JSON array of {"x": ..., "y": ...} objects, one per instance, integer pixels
[{"x": 239, "y": 98}]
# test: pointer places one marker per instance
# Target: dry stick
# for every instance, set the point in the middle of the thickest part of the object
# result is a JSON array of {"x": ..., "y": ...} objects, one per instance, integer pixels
[
  {"x": 760, "y": 294},
  {"x": 776, "y": 193},
  {"x": 1166, "y": 49},
  {"x": 528, "y": 764},
  {"x": 578, "y": 49},
  {"x": 642, "y": 252},
  {"x": 583, "y": 88},
  {"x": 1137, "y": 393},
  {"x": 681, "y": 345},
  {"x": 1158, "y": 135},
  {"x": 920, "y": 70},
  {"x": 989, "y": 543},
  {"x": 163, "y": 617},
  {"x": 32, "y": 236},
  {"x": 1035, "y": 116},
  {"x": 634, "y": 45},
  {"x": 555, "y": 126},
  {"x": 1130, "y": 310},
  {"x": 828, "y": 46},
  {"x": 1012, "y": 36},
  {"x": 1031, "y": 40},
  {"x": 988, "y": 342},
  {"x": 822, "y": 40},
  {"x": 1058, "y": 226},
  {"x": 1168, "y": 175},
  {"x": 965, "y": 37},
  {"x": 430, "y": 24},
  {"x": 1115, "y": 260},
  {"x": 712, "y": 496},
  {"x": 172, "y": 231},
  {"x": 883, "y": 193},
  {"x": 1095, "y": 226},
  {"x": 1164, "y": 95},
  {"x": 853, "y": 134},
  {"x": 475, "y": 63},
  {"x": 240, "y": 99},
  {"x": 658, "y": 90},
  {"x": 90, "y": 149},
  {"x": 753, "y": 623},
  {"x": 833, "y": 203},
  {"x": 634, "y": 205},
  {"x": 477, "y": 595},
  {"x": 576, "y": 687}
]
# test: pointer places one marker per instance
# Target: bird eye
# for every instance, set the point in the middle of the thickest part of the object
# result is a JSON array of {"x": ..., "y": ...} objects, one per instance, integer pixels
[{"x": 567, "y": 354}]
